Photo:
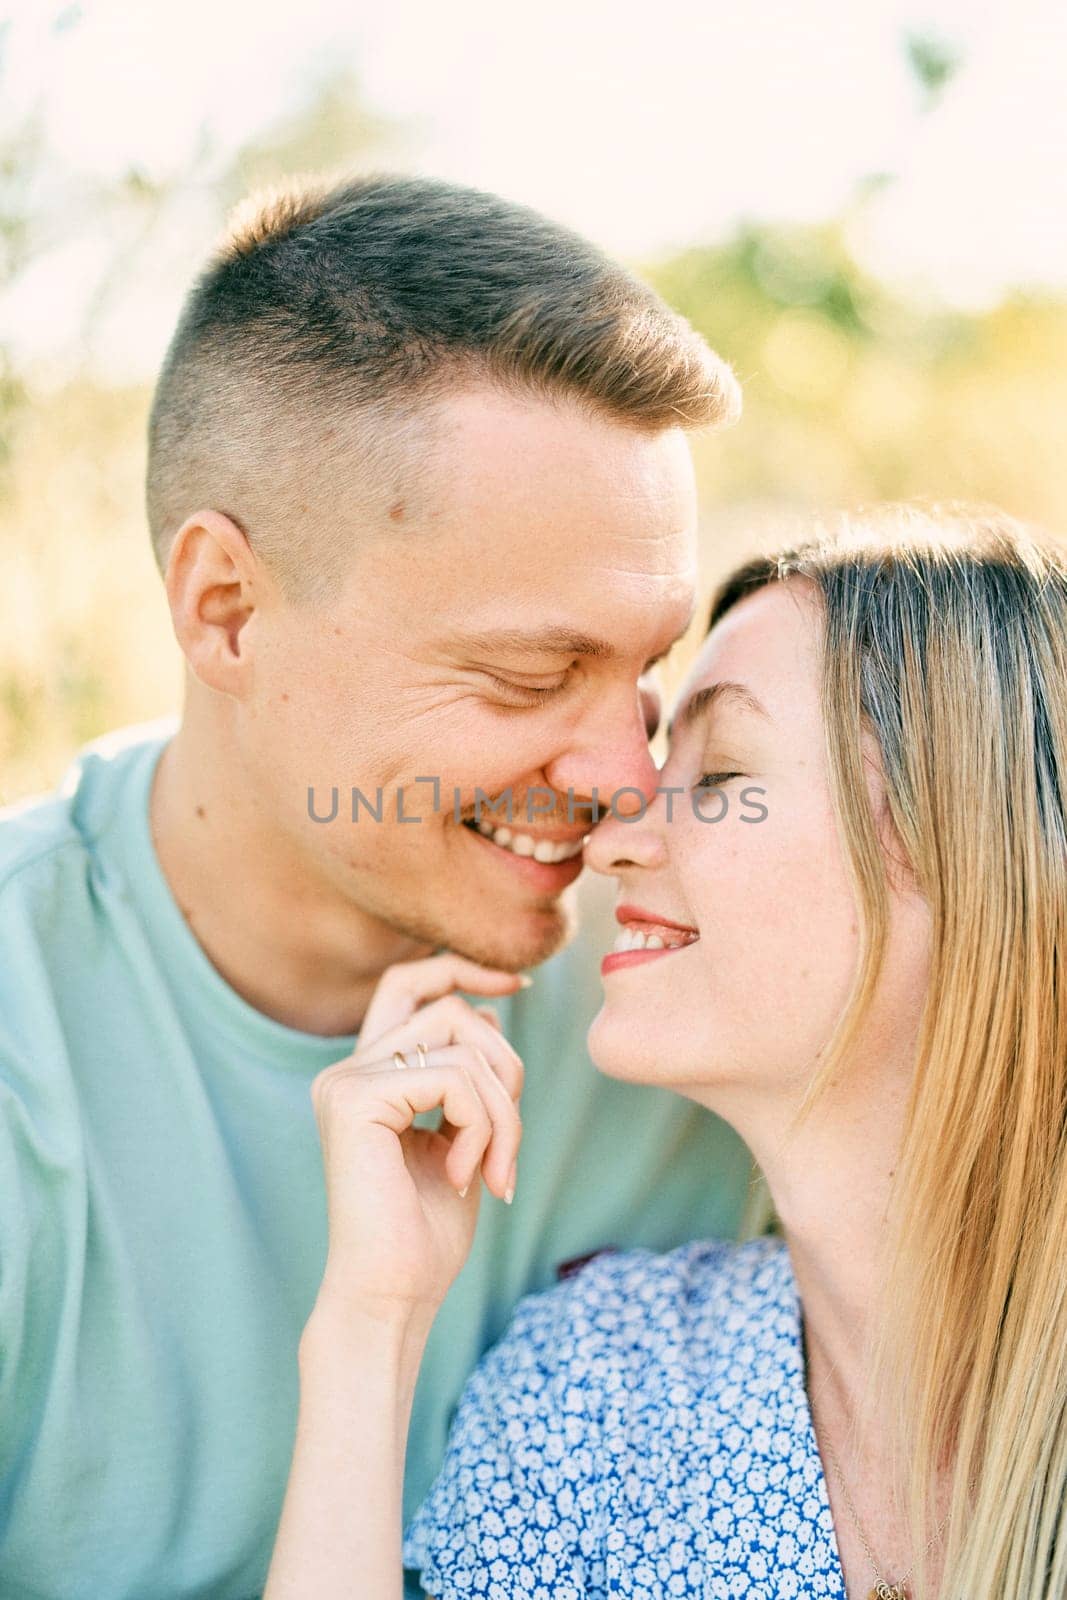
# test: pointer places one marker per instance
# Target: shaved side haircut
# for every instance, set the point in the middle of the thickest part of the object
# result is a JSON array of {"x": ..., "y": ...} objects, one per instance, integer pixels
[{"x": 313, "y": 346}]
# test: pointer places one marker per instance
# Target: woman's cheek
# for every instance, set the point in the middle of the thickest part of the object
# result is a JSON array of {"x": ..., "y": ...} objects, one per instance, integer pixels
[{"x": 771, "y": 897}]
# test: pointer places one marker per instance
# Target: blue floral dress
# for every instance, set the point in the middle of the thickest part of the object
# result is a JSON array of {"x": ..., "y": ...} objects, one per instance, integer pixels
[{"x": 640, "y": 1432}]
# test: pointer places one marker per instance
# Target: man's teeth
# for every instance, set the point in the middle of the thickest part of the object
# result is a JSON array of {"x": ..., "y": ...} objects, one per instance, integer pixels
[
  {"x": 523, "y": 844},
  {"x": 637, "y": 939}
]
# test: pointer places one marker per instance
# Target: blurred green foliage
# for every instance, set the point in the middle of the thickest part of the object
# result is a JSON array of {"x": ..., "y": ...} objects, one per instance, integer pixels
[
  {"x": 934, "y": 61},
  {"x": 854, "y": 392}
]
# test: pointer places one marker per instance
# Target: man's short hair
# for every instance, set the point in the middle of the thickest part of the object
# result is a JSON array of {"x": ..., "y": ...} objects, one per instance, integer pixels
[{"x": 312, "y": 341}]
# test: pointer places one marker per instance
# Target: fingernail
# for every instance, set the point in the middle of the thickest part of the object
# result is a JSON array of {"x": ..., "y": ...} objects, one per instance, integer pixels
[
  {"x": 509, "y": 1192},
  {"x": 524, "y": 981}
]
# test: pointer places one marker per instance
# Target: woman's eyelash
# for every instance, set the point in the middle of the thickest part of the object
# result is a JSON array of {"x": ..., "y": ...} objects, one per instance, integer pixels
[{"x": 712, "y": 780}]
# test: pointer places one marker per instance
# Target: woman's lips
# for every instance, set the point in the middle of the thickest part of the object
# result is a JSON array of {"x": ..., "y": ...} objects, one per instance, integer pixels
[
  {"x": 631, "y": 916},
  {"x": 643, "y": 936}
]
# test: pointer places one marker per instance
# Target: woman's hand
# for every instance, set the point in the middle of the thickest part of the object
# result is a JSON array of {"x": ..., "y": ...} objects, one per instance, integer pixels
[{"x": 402, "y": 1202}]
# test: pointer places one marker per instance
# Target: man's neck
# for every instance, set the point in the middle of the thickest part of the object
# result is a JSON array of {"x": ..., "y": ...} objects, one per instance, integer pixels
[{"x": 284, "y": 938}]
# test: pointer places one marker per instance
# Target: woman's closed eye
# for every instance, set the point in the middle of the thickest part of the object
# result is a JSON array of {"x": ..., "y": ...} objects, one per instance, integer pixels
[{"x": 712, "y": 780}]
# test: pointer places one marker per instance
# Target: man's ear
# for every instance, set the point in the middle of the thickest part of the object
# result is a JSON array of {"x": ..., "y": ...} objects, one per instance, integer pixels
[{"x": 211, "y": 582}]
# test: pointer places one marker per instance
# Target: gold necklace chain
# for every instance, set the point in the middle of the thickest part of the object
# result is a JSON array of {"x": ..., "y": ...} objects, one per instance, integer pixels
[{"x": 882, "y": 1590}]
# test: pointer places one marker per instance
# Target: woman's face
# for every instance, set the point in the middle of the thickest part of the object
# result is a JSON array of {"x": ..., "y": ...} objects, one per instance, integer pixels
[{"x": 756, "y": 911}]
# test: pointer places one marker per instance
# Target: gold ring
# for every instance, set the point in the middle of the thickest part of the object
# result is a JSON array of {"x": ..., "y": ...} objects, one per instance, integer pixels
[
  {"x": 399, "y": 1059},
  {"x": 420, "y": 1051}
]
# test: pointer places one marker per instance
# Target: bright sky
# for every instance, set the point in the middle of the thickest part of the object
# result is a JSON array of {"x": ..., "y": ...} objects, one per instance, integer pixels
[{"x": 646, "y": 125}]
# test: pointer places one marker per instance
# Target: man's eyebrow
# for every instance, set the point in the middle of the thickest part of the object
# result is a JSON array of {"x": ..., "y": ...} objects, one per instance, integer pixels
[
  {"x": 556, "y": 639},
  {"x": 552, "y": 640},
  {"x": 700, "y": 703}
]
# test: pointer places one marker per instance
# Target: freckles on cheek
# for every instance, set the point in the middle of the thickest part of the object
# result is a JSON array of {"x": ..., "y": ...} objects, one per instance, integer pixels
[{"x": 770, "y": 876}]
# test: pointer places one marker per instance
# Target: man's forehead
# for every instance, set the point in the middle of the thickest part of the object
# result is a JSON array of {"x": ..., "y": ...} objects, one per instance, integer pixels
[{"x": 552, "y": 466}]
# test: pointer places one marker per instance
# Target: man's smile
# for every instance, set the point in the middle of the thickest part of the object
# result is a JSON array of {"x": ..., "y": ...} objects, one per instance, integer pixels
[
  {"x": 547, "y": 859},
  {"x": 545, "y": 845}
]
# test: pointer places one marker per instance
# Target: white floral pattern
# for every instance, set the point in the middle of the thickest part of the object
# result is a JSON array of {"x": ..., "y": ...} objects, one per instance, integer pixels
[{"x": 641, "y": 1432}]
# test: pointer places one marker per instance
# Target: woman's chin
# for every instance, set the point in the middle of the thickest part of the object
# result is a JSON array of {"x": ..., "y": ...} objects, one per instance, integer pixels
[{"x": 619, "y": 1046}]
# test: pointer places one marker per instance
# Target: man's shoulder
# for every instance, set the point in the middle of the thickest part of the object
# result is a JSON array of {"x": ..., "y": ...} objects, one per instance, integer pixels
[
  {"x": 45, "y": 836},
  {"x": 31, "y": 832}
]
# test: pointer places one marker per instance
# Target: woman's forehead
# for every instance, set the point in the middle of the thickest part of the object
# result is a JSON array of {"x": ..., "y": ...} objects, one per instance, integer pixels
[{"x": 769, "y": 643}]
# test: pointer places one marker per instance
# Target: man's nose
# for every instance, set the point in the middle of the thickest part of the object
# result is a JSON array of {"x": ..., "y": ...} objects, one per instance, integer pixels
[
  {"x": 608, "y": 755},
  {"x": 651, "y": 693}
]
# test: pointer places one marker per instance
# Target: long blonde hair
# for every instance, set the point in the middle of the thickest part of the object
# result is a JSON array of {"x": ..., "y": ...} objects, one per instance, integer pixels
[{"x": 946, "y": 639}]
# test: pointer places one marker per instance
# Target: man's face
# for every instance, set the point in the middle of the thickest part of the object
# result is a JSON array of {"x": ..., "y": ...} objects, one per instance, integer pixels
[{"x": 489, "y": 636}]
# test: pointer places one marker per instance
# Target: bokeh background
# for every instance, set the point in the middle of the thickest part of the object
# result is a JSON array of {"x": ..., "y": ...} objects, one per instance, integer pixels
[{"x": 862, "y": 206}]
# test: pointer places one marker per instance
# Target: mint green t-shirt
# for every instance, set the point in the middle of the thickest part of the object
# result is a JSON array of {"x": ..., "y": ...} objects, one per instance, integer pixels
[{"x": 162, "y": 1215}]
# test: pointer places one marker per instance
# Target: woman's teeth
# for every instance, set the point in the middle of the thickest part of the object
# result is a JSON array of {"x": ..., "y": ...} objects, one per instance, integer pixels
[
  {"x": 639, "y": 939},
  {"x": 523, "y": 844}
]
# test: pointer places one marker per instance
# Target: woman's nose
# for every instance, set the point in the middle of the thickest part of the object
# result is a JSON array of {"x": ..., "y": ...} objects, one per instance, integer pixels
[{"x": 620, "y": 841}]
